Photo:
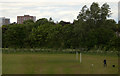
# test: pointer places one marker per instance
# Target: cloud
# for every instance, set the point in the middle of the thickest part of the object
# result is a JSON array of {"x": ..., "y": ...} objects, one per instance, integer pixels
[
  {"x": 114, "y": 10},
  {"x": 86, "y": 1},
  {"x": 66, "y": 11}
]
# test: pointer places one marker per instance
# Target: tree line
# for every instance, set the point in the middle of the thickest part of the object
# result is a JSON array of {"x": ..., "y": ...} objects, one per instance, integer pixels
[{"x": 91, "y": 30}]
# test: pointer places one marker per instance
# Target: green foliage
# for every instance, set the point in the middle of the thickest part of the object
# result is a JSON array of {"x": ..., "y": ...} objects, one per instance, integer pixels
[
  {"x": 28, "y": 22},
  {"x": 14, "y": 36},
  {"x": 91, "y": 30}
]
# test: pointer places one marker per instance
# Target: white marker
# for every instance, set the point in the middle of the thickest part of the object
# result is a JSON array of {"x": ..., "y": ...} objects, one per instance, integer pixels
[
  {"x": 76, "y": 55},
  {"x": 80, "y": 58}
]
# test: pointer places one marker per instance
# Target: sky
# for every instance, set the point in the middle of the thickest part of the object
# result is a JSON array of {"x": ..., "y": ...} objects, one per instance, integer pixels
[
  {"x": 119, "y": 11},
  {"x": 66, "y": 10}
]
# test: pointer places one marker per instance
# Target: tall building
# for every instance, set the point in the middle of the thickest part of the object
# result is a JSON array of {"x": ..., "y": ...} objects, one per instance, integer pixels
[
  {"x": 4, "y": 21},
  {"x": 21, "y": 19}
]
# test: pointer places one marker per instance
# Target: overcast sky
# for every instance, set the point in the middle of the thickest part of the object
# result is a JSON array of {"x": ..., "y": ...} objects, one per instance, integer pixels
[{"x": 66, "y": 10}]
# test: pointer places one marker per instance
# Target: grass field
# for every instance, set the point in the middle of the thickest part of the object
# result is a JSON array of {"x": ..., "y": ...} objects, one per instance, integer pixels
[{"x": 33, "y": 63}]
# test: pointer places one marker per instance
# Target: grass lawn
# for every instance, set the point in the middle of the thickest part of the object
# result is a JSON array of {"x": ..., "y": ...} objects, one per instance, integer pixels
[{"x": 33, "y": 63}]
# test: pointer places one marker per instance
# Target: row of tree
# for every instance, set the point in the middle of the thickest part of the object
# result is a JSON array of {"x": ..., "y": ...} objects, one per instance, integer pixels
[{"x": 91, "y": 30}]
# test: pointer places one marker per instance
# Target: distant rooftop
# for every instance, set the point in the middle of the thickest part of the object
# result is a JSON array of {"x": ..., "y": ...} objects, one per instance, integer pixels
[
  {"x": 26, "y": 15},
  {"x": 4, "y": 18}
]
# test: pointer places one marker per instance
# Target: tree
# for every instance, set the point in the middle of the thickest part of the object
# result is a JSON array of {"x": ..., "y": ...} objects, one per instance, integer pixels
[
  {"x": 50, "y": 19},
  {"x": 28, "y": 21},
  {"x": 54, "y": 36},
  {"x": 64, "y": 23},
  {"x": 91, "y": 28},
  {"x": 94, "y": 15},
  {"x": 41, "y": 22},
  {"x": 105, "y": 11},
  {"x": 83, "y": 14},
  {"x": 14, "y": 36}
]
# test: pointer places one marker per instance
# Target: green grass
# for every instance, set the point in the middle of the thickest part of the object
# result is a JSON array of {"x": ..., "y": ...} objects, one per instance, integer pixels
[{"x": 33, "y": 63}]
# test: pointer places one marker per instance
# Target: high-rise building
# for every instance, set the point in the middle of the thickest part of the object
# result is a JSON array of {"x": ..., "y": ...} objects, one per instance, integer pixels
[
  {"x": 4, "y": 21},
  {"x": 21, "y": 19}
]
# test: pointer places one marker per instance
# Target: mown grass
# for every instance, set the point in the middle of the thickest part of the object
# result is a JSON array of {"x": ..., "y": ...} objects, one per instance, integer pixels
[{"x": 41, "y": 63}]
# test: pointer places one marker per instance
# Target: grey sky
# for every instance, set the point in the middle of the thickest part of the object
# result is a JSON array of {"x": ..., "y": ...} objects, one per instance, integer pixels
[
  {"x": 66, "y": 11},
  {"x": 119, "y": 11}
]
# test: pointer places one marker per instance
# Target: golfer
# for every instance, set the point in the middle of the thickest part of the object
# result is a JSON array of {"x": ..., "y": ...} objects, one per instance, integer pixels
[{"x": 105, "y": 64}]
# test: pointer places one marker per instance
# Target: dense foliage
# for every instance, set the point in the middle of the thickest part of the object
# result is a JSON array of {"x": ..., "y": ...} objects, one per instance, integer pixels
[{"x": 91, "y": 30}]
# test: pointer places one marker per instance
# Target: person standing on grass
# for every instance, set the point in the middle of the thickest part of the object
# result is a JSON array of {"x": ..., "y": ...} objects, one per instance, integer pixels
[{"x": 105, "y": 64}]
